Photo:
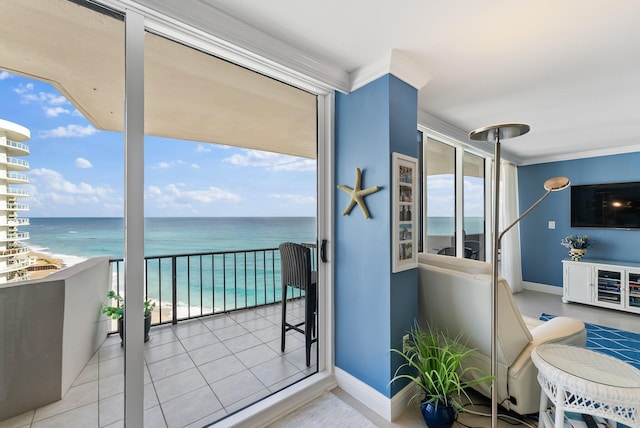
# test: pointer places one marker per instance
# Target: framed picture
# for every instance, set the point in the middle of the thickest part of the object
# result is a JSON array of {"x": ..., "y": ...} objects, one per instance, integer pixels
[{"x": 405, "y": 188}]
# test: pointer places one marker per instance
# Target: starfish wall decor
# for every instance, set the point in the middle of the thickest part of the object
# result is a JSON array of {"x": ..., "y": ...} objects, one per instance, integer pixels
[{"x": 358, "y": 194}]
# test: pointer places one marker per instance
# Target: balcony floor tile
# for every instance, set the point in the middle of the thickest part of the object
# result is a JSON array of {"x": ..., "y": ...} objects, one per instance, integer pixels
[{"x": 195, "y": 373}]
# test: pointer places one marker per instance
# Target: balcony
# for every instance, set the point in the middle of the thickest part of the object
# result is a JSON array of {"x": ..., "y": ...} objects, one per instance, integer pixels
[
  {"x": 14, "y": 163},
  {"x": 20, "y": 193},
  {"x": 15, "y": 236},
  {"x": 15, "y": 148},
  {"x": 14, "y": 177},
  {"x": 9, "y": 206},
  {"x": 15, "y": 222},
  {"x": 207, "y": 357},
  {"x": 14, "y": 251}
]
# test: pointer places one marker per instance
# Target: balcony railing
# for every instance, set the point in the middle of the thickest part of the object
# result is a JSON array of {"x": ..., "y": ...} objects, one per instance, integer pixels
[
  {"x": 18, "y": 162},
  {"x": 17, "y": 145},
  {"x": 190, "y": 286}
]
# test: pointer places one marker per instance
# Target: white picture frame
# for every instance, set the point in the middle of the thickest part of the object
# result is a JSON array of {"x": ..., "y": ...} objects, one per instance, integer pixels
[{"x": 404, "y": 217}]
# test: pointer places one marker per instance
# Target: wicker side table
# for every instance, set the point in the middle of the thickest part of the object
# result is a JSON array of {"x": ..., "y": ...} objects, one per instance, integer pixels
[{"x": 584, "y": 381}]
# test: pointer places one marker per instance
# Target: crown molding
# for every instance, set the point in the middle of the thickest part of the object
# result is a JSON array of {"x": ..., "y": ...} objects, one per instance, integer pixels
[
  {"x": 582, "y": 155},
  {"x": 396, "y": 63}
]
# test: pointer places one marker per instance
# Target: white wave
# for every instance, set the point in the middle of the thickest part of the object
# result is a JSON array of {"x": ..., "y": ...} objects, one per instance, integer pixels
[{"x": 67, "y": 259}]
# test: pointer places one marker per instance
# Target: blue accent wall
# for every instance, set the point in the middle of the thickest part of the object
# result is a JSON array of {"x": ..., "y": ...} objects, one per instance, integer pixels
[
  {"x": 540, "y": 246},
  {"x": 373, "y": 307}
]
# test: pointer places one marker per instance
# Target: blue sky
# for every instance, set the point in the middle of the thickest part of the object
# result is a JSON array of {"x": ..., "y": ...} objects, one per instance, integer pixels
[{"x": 78, "y": 171}]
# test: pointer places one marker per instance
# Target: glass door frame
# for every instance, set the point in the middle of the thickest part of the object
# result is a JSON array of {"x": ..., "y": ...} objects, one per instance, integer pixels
[{"x": 137, "y": 21}]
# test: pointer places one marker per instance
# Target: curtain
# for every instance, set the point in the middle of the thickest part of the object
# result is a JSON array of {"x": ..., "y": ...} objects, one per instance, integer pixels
[{"x": 510, "y": 267}]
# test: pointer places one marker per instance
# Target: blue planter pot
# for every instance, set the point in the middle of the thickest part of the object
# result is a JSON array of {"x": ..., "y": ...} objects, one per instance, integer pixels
[{"x": 437, "y": 415}]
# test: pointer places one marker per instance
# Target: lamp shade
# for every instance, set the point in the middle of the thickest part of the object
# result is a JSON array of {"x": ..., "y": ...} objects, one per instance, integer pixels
[
  {"x": 556, "y": 184},
  {"x": 499, "y": 132}
]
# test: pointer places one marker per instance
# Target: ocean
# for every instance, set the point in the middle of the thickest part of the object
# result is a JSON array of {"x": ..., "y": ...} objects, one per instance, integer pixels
[
  {"x": 74, "y": 239},
  {"x": 203, "y": 283}
]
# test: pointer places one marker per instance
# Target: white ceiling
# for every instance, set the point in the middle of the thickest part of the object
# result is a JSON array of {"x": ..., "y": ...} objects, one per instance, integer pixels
[{"x": 570, "y": 69}]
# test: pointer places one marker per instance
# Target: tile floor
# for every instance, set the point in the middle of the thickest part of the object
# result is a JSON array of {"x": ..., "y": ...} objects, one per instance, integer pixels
[{"x": 196, "y": 372}]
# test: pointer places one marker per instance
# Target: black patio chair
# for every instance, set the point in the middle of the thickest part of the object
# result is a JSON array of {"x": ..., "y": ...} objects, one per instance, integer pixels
[{"x": 295, "y": 271}]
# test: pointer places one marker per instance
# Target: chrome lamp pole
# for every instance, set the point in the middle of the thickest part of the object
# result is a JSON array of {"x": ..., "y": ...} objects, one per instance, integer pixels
[{"x": 496, "y": 133}]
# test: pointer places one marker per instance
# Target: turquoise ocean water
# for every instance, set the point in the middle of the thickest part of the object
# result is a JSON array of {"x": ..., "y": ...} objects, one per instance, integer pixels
[
  {"x": 220, "y": 282},
  {"x": 73, "y": 237}
]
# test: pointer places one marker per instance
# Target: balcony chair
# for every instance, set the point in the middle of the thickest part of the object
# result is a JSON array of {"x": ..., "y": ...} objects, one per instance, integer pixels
[
  {"x": 451, "y": 251},
  {"x": 295, "y": 271}
]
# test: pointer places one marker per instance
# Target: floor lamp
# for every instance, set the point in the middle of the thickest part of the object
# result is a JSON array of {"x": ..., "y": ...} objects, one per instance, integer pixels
[{"x": 495, "y": 133}]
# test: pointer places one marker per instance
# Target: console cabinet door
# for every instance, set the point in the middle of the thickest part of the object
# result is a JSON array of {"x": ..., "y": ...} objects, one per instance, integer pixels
[
  {"x": 633, "y": 291},
  {"x": 610, "y": 287},
  {"x": 578, "y": 282}
]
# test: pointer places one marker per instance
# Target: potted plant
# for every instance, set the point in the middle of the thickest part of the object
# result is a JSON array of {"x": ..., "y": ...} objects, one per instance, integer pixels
[
  {"x": 117, "y": 313},
  {"x": 437, "y": 359},
  {"x": 577, "y": 245}
]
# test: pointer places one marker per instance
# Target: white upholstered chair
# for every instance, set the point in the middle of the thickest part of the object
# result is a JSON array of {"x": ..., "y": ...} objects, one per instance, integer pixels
[{"x": 455, "y": 296}]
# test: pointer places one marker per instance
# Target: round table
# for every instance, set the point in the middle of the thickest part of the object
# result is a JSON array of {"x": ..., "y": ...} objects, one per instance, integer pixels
[{"x": 584, "y": 381}]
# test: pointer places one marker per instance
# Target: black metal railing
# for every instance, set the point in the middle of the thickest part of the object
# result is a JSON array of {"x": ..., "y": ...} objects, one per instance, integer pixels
[{"x": 187, "y": 286}]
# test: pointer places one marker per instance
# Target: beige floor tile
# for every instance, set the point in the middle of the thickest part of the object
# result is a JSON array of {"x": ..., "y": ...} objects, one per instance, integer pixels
[
  {"x": 76, "y": 397},
  {"x": 190, "y": 407},
  {"x": 81, "y": 417},
  {"x": 170, "y": 366},
  {"x": 178, "y": 384},
  {"x": 221, "y": 368},
  {"x": 236, "y": 387}
]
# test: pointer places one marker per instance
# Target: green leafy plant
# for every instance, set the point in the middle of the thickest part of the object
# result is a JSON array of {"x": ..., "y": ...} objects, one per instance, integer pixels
[
  {"x": 117, "y": 311},
  {"x": 437, "y": 359}
]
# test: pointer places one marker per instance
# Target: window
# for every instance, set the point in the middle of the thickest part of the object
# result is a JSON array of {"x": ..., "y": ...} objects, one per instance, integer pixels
[
  {"x": 454, "y": 199},
  {"x": 440, "y": 190},
  {"x": 474, "y": 206}
]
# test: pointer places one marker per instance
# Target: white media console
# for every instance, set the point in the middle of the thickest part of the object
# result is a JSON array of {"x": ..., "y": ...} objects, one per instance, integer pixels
[{"x": 606, "y": 283}]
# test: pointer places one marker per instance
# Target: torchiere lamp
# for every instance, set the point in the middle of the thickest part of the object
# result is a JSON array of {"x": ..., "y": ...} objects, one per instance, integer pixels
[{"x": 495, "y": 133}]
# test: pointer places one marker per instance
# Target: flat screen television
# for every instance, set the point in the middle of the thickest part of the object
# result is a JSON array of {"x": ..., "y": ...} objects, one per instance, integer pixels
[{"x": 612, "y": 205}]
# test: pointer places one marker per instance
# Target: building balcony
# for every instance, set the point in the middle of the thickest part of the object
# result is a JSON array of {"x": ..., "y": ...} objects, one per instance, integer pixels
[
  {"x": 9, "y": 206},
  {"x": 14, "y": 163},
  {"x": 15, "y": 148},
  {"x": 15, "y": 265},
  {"x": 14, "y": 177},
  {"x": 19, "y": 193},
  {"x": 15, "y": 236},
  {"x": 10, "y": 252},
  {"x": 14, "y": 222}
]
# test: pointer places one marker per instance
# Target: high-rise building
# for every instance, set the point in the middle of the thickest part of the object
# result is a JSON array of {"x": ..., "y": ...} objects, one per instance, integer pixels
[{"x": 14, "y": 254}]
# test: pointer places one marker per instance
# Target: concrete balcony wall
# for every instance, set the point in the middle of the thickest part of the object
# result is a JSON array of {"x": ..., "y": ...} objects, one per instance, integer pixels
[{"x": 50, "y": 329}]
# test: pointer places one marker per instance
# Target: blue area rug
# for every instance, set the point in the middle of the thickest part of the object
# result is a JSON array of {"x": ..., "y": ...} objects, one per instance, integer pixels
[{"x": 620, "y": 344}]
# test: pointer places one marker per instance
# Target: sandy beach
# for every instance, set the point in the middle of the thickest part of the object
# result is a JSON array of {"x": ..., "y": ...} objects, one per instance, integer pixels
[{"x": 44, "y": 266}]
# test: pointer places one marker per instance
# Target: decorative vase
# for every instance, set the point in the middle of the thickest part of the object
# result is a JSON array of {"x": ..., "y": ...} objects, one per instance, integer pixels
[
  {"x": 437, "y": 415},
  {"x": 577, "y": 254}
]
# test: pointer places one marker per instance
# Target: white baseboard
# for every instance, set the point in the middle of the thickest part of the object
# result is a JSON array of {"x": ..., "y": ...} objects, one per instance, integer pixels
[
  {"x": 388, "y": 408},
  {"x": 543, "y": 288}
]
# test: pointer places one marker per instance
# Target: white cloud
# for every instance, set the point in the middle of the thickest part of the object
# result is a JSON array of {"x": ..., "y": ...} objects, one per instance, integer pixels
[
  {"x": 5, "y": 75},
  {"x": 172, "y": 195},
  {"x": 295, "y": 199},
  {"x": 55, "y": 111},
  {"x": 202, "y": 148},
  {"x": 195, "y": 166},
  {"x": 50, "y": 188},
  {"x": 83, "y": 163},
  {"x": 23, "y": 89},
  {"x": 271, "y": 161},
  {"x": 69, "y": 131},
  {"x": 163, "y": 165},
  {"x": 52, "y": 103}
]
